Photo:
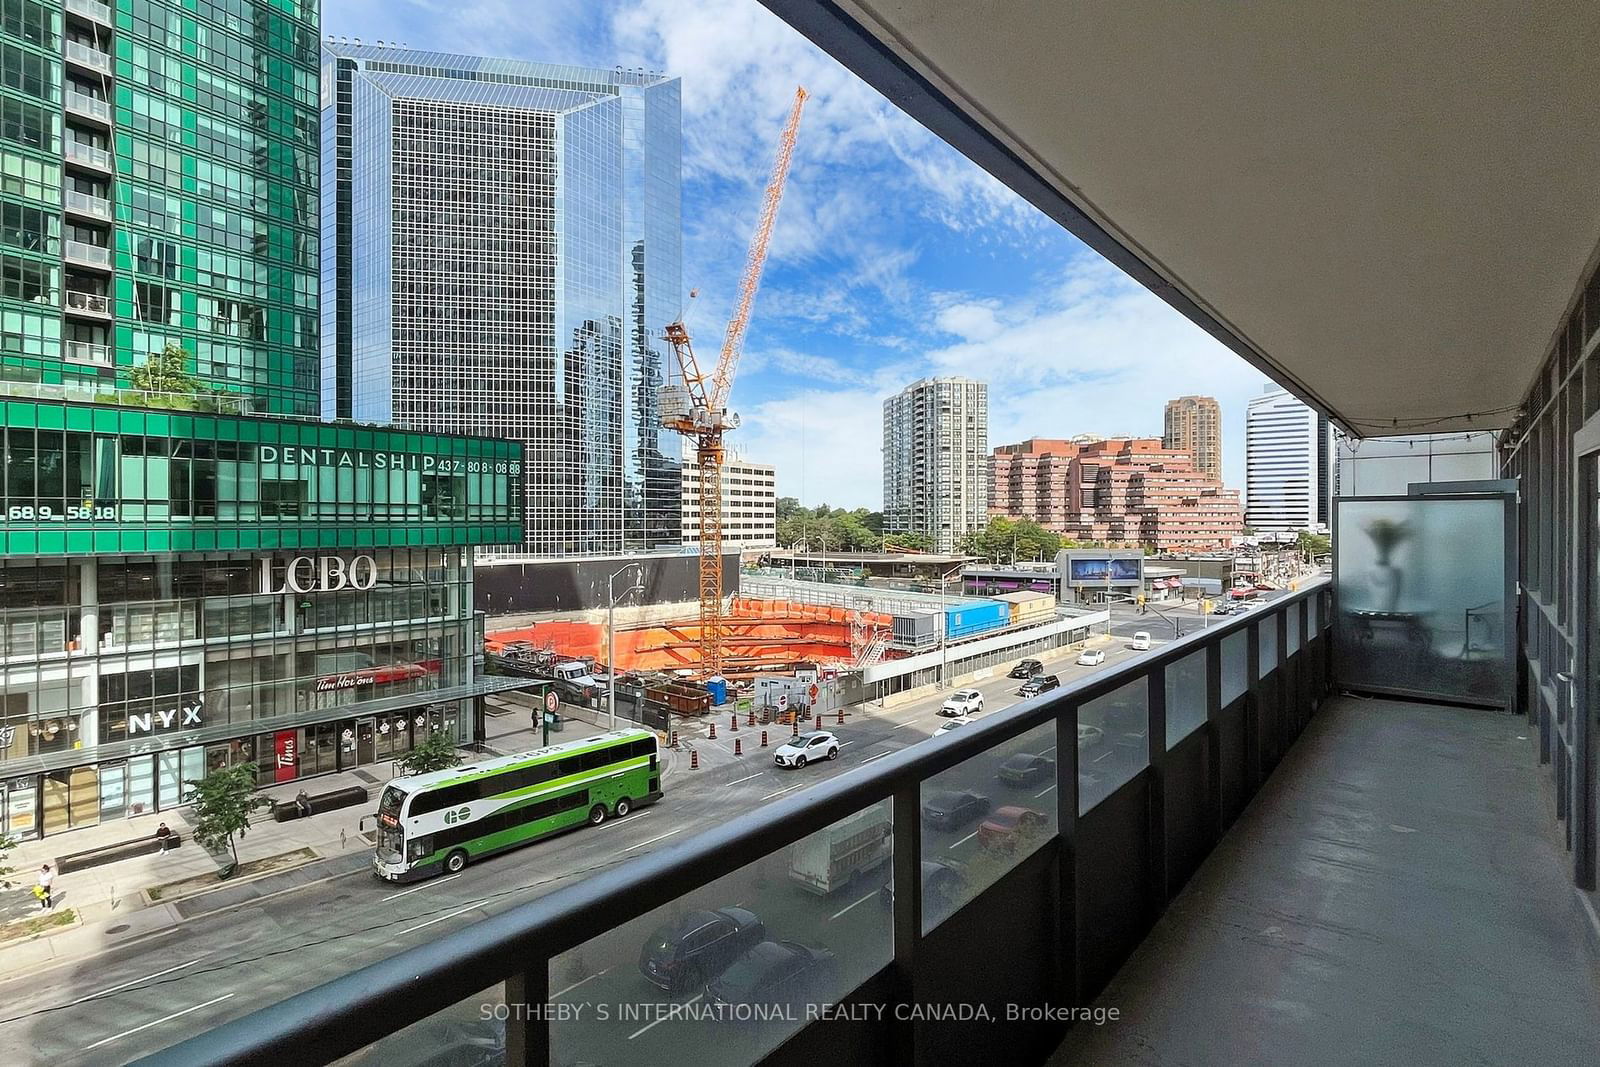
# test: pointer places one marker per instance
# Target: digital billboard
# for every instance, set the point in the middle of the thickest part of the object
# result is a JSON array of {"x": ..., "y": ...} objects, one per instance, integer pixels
[{"x": 1092, "y": 570}]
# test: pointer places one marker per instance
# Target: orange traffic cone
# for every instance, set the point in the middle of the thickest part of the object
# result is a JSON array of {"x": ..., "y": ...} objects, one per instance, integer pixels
[
  {"x": 713, "y": 731},
  {"x": 738, "y": 748},
  {"x": 763, "y": 739},
  {"x": 733, "y": 722},
  {"x": 694, "y": 760},
  {"x": 841, "y": 716}
]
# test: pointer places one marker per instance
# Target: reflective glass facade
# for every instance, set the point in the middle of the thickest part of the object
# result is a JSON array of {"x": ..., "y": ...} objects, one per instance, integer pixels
[
  {"x": 501, "y": 250},
  {"x": 158, "y": 183}
]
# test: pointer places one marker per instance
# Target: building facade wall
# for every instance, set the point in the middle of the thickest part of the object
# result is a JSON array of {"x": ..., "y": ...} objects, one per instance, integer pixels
[
  {"x": 138, "y": 216},
  {"x": 182, "y": 591},
  {"x": 936, "y": 473},
  {"x": 749, "y": 505},
  {"x": 1288, "y": 461},
  {"x": 1193, "y": 424},
  {"x": 512, "y": 250}
]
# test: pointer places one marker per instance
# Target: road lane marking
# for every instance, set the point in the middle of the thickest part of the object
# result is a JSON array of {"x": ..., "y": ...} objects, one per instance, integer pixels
[
  {"x": 902, "y": 726},
  {"x": 847, "y": 907},
  {"x": 1043, "y": 791},
  {"x": 747, "y": 777},
  {"x": 636, "y": 816},
  {"x": 1042, "y": 751},
  {"x": 578, "y": 983},
  {"x": 653, "y": 840},
  {"x": 844, "y": 743},
  {"x": 156, "y": 1022},
  {"x": 779, "y": 793},
  {"x": 440, "y": 918},
  {"x": 880, "y": 755},
  {"x": 964, "y": 840},
  {"x": 136, "y": 981},
  {"x": 664, "y": 1017},
  {"x": 1102, "y": 756},
  {"x": 420, "y": 888}
]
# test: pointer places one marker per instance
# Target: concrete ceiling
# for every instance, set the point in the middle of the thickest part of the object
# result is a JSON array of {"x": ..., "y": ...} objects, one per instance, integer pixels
[{"x": 1387, "y": 207}]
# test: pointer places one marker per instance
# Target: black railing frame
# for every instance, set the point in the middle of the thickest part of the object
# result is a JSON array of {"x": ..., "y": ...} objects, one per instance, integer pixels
[{"x": 516, "y": 947}]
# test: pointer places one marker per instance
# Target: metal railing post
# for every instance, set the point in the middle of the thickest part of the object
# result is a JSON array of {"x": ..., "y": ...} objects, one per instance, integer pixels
[
  {"x": 1071, "y": 984},
  {"x": 1156, "y": 732},
  {"x": 1252, "y": 709},
  {"x": 1214, "y": 741},
  {"x": 527, "y": 1028},
  {"x": 907, "y": 918}
]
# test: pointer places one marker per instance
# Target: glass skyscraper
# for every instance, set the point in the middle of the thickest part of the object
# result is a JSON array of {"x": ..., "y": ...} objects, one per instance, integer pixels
[
  {"x": 501, "y": 249},
  {"x": 158, "y": 184}
]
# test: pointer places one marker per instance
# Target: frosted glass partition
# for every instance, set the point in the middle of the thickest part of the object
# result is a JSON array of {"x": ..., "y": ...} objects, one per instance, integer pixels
[
  {"x": 1186, "y": 696},
  {"x": 1422, "y": 597},
  {"x": 1235, "y": 650},
  {"x": 1266, "y": 646}
]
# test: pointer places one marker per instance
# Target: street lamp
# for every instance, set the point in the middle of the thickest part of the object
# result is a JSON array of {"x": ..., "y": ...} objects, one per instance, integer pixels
[
  {"x": 611, "y": 633},
  {"x": 944, "y": 626}
]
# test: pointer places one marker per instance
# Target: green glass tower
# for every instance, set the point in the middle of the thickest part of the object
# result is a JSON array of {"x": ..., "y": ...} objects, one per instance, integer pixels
[{"x": 159, "y": 187}]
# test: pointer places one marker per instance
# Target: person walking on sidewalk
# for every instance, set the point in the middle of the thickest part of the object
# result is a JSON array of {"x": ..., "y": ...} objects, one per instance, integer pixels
[
  {"x": 164, "y": 836},
  {"x": 47, "y": 879}
]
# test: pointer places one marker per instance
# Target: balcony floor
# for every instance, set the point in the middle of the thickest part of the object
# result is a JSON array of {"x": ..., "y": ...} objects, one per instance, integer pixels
[{"x": 1394, "y": 894}]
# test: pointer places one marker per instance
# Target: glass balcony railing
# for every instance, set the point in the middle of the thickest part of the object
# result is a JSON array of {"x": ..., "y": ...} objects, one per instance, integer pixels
[
  {"x": 89, "y": 155},
  {"x": 91, "y": 9},
  {"x": 84, "y": 104},
  {"x": 88, "y": 56},
  {"x": 87, "y": 352},
  {"x": 88, "y": 204},
  {"x": 93, "y": 303},
  {"x": 84, "y": 252},
  {"x": 1052, "y": 832}
]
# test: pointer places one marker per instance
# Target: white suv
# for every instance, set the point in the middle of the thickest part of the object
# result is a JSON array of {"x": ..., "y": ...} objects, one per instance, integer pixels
[
  {"x": 962, "y": 702},
  {"x": 807, "y": 748}
]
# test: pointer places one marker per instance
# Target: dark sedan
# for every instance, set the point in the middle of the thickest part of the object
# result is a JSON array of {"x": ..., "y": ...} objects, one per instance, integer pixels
[
  {"x": 776, "y": 973},
  {"x": 1026, "y": 669},
  {"x": 948, "y": 809},
  {"x": 1039, "y": 683},
  {"x": 942, "y": 882},
  {"x": 687, "y": 954},
  {"x": 1026, "y": 768}
]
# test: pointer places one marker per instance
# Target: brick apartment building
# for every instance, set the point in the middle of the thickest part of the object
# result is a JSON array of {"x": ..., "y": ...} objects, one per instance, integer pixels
[{"x": 1130, "y": 490}]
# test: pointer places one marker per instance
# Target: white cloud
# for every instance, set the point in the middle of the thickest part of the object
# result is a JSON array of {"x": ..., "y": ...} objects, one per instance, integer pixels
[{"x": 826, "y": 444}]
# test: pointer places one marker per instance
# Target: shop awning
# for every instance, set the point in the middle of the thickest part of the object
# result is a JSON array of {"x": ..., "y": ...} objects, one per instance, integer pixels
[{"x": 166, "y": 742}]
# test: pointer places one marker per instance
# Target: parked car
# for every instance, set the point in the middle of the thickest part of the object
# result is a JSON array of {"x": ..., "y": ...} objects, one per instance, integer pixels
[
  {"x": 1141, "y": 641},
  {"x": 1089, "y": 736},
  {"x": 942, "y": 881},
  {"x": 687, "y": 954},
  {"x": 1008, "y": 825},
  {"x": 1221, "y": 607},
  {"x": 776, "y": 972},
  {"x": 807, "y": 748},
  {"x": 962, "y": 702},
  {"x": 1039, "y": 683},
  {"x": 1026, "y": 768},
  {"x": 1091, "y": 657},
  {"x": 948, "y": 809},
  {"x": 952, "y": 726},
  {"x": 1026, "y": 669}
]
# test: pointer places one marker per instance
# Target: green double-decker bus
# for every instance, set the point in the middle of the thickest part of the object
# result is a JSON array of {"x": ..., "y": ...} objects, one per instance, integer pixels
[{"x": 428, "y": 823}]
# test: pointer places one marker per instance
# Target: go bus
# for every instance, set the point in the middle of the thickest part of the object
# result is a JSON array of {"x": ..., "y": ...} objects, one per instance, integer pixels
[{"x": 428, "y": 823}]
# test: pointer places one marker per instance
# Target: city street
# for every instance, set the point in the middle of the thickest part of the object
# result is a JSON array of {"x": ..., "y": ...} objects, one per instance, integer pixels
[{"x": 146, "y": 995}]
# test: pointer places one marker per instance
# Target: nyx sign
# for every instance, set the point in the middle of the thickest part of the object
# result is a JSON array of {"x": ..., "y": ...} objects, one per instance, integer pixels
[{"x": 166, "y": 719}]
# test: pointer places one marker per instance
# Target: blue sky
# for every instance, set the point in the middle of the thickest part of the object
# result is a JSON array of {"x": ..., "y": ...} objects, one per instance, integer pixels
[{"x": 894, "y": 256}]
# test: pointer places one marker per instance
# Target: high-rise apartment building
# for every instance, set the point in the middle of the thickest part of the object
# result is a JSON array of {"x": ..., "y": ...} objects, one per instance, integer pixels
[
  {"x": 158, "y": 185},
  {"x": 501, "y": 251},
  {"x": 749, "y": 505},
  {"x": 1118, "y": 490},
  {"x": 1193, "y": 424},
  {"x": 936, "y": 460},
  {"x": 1288, "y": 464}
]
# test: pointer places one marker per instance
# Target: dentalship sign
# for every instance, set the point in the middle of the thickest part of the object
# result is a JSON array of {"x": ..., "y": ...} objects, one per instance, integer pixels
[{"x": 291, "y": 456}]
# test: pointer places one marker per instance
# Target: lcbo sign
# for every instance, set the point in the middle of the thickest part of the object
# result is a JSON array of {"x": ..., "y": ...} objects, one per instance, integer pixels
[{"x": 322, "y": 574}]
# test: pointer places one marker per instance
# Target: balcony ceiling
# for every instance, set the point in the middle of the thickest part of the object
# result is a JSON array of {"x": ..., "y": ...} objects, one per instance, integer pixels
[{"x": 1386, "y": 209}]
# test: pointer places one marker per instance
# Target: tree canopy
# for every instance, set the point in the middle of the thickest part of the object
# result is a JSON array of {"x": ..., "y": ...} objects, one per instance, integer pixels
[
  {"x": 1009, "y": 540},
  {"x": 831, "y": 529}
]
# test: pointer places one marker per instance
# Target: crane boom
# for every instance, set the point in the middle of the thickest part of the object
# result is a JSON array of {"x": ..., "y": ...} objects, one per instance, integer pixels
[
  {"x": 700, "y": 411},
  {"x": 756, "y": 260}
]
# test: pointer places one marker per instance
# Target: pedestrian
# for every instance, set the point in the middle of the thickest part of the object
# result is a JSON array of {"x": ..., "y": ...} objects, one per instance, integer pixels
[
  {"x": 302, "y": 803},
  {"x": 47, "y": 878},
  {"x": 164, "y": 836}
]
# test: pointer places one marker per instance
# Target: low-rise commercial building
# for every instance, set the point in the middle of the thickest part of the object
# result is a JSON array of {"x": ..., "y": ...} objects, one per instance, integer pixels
[
  {"x": 183, "y": 591},
  {"x": 749, "y": 505}
]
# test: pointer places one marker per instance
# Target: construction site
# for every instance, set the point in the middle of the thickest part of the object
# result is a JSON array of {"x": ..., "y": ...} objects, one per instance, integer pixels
[{"x": 864, "y": 643}]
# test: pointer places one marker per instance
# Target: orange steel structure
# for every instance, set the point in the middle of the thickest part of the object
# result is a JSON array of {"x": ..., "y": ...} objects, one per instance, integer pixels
[{"x": 698, "y": 408}]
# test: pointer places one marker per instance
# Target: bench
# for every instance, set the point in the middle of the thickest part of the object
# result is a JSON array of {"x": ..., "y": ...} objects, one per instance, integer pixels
[
  {"x": 285, "y": 810},
  {"x": 121, "y": 850}
]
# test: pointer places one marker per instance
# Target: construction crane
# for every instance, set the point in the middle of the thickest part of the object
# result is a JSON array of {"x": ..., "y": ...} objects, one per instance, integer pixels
[{"x": 698, "y": 408}]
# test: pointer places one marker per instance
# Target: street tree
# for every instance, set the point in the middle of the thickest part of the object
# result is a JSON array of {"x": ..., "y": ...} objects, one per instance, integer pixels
[
  {"x": 1009, "y": 540},
  {"x": 221, "y": 804},
  {"x": 166, "y": 372},
  {"x": 436, "y": 752},
  {"x": 7, "y": 843}
]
